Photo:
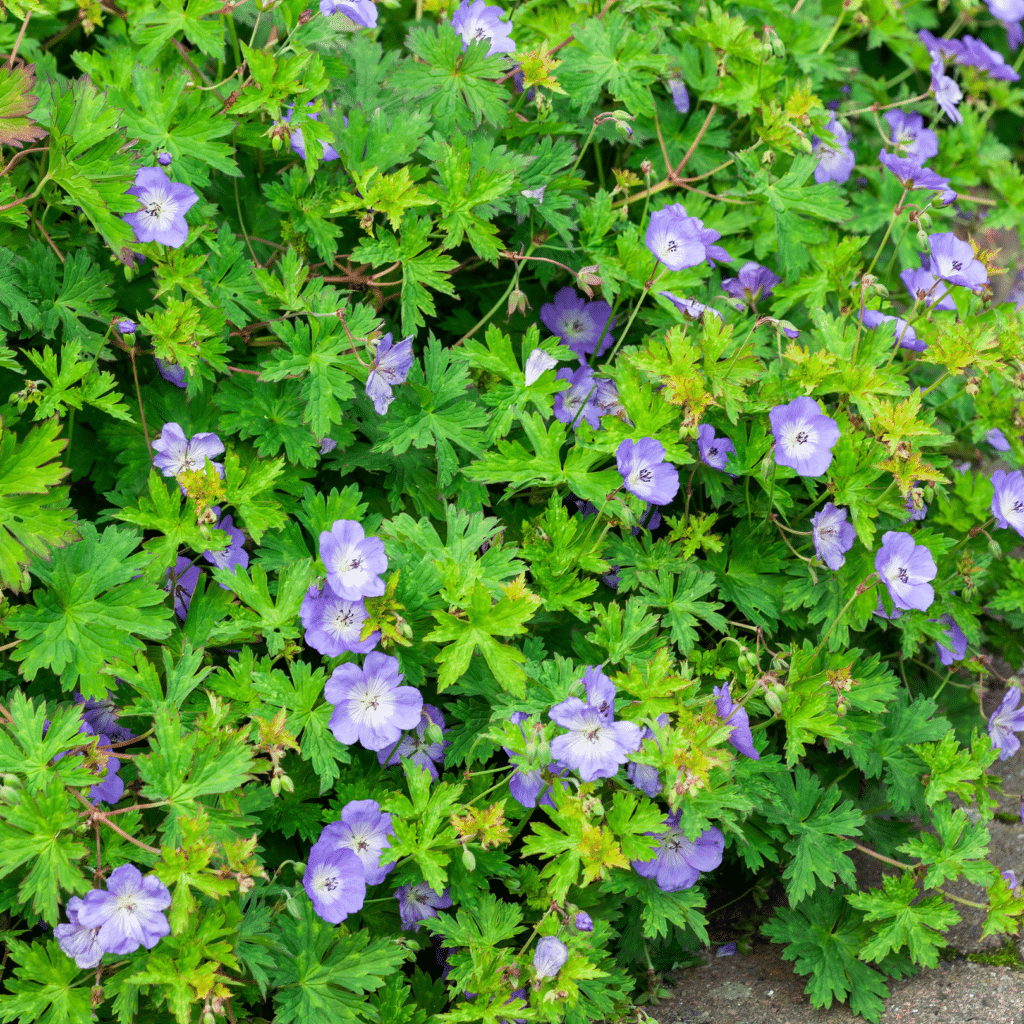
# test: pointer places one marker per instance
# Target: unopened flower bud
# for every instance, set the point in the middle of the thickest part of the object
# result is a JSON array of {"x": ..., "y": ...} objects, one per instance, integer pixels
[
  {"x": 544, "y": 752},
  {"x": 275, "y": 142},
  {"x": 862, "y": 19},
  {"x": 434, "y": 733},
  {"x": 747, "y": 657},
  {"x": 772, "y": 700},
  {"x": 925, "y": 220},
  {"x": 587, "y": 278},
  {"x": 517, "y": 301},
  {"x": 973, "y": 385},
  {"x": 275, "y": 785},
  {"x": 208, "y": 1018},
  {"x": 624, "y": 130},
  {"x": 646, "y": 167},
  {"x": 995, "y": 549},
  {"x": 468, "y": 860},
  {"x": 293, "y": 907},
  {"x": 286, "y": 784},
  {"x": 768, "y": 158},
  {"x": 163, "y": 158},
  {"x": 922, "y": 237},
  {"x": 96, "y": 996},
  {"x": 879, "y": 289}
]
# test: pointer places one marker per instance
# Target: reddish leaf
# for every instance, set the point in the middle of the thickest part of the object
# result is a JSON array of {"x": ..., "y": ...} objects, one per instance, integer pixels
[{"x": 16, "y": 102}]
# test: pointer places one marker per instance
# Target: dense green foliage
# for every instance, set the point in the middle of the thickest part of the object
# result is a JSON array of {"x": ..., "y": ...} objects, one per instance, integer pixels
[{"x": 456, "y": 208}]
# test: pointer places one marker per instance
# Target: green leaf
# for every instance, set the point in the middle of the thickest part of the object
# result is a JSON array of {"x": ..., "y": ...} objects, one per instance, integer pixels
[
  {"x": 825, "y": 939},
  {"x": 90, "y": 611},
  {"x": 817, "y": 826},
  {"x": 420, "y": 269},
  {"x": 34, "y": 513},
  {"x": 627, "y": 636},
  {"x": 477, "y": 630},
  {"x": 910, "y": 920},
  {"x": 181, "y": 767},
  {"x": 246, "y": 490},
  {"x": 76, "y": 384},
  {"x": 88, "y": 158},
  {"x": 459, "y": 86},
  {"x": 38, "y": 831},
  {"x": 152, "y": 29},
  {"x": 327, "y": 972},
  {"x": 679, "y": 597},
  {"x": 277, "y": 618},
  {"x": 541, "y": 464},
  {"x": 16, "y": 103},
  {"x": 41, "y": 990},
  {"x": 660, "y": 911}
]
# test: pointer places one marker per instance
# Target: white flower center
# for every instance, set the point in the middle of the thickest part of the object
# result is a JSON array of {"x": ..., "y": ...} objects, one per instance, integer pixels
[{"x": 795, "y": 436}]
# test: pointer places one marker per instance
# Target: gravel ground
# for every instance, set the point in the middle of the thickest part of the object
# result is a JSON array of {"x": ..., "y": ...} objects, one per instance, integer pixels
[{"x": 762, "y": 988}]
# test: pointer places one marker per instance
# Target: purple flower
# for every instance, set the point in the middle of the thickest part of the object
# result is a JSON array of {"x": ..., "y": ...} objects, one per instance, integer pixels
[
  {"x": 910, "y": 135},
  {"x": 902, "y": 332},
  {"x": 101, "y": 716},
  {"x": 77, "y": 941},
  {"x": 550, "y": 956},
  {"x": 954, "y": 261},
  {"x": 364, "y": 829},
  {"x": 295, "y": 140},
  {"x": 130, "y": 913},
  {"x": 954, "y": 647},
  {"x": 1010, "y": 878},
  {"x": 420, "y": 748},
  {"x": 679, "y": 241},
  {"x": 1010, "y": 13},
  {"x": 1006, "y": 720},
  {"x": 578, "y": 323},
  {"x": 234, "y": 554},
  {"x": 526, "y": 786},
  {"x": 644, "y": 471},
  {"x": 583, "y": 922},
  {"x": 173, "y": 373},
  {"x": 975, "y": 53},
  {"x": 925, "y": 287},
  {"x": 536, "y": 365},
  {"x": 911, "y": 175},
  {"x": 835, "y": 163},
  {"x": 371, "y": 707},
  {"x": 649, "y": 519},
  {"x": 997, "y": 439},
  {"x": 678, "y": 862},
  {"x": 334, "y": 882},
  {"x": 947, "y": 92},
  {"x": 179, "y": 454},
  {"x": 914, "y": 513},
  {"x": 690, "y": 308},
  {"x": 592, "y": 747},
  {"x": 362, "y": 12},
  {"x": 948, "y": 49},
  {"x": 164, "y": 203},
  {"x": 111, "y": 788},
  {"x": 333, "y": 625},
  {"x": 833, "y": 535},
  {"x": 740, "y": 737},
  {"x": 390, "y": 367},
  {"x": 753, "y": 283},
  {"x": 476, "y": 20},
  {"x": 1008, "y": 500},
  {"x": 907, "y": 570},
  {"x": 327, "y": 445},
  {"x": 600, "y": 693},
  {"x": 163, "y": 158},
  {"x": 680, "y": 95},
  {"x": 606, "y": 398},
  {"x": 714, "y": 451},
  {"x": 127, "y": 326},
  {"x": 580, "y": 395},
  {"x": 729, "y": 949},
  {"x": 804, "y": 436},
  {"x": 518, "y": 83},
  {"x": 646, "y": 777},
  {"x": 182, "y": 583},
  {"x": 418, "y": 902},
  {"x": 353, "y": 561}
]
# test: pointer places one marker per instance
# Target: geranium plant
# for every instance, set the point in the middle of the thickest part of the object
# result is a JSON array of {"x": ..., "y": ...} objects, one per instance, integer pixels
[{"x": 483, "y": 485}]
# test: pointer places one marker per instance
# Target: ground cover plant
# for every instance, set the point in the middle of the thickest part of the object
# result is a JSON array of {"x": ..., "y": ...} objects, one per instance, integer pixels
[{"x": 478, "y": 481}]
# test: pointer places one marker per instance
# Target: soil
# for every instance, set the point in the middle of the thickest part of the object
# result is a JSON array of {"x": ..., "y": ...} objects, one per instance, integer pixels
[{"x": 977, "y": 980}]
